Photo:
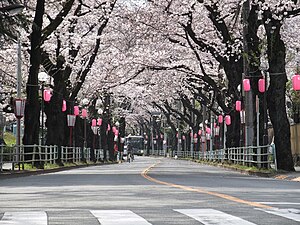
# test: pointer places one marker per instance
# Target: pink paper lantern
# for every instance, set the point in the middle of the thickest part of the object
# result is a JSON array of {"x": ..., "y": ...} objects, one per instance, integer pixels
[
  {"x": 246, "y": 85},
  {"x": 114, "y": 129},
  {"x": 261, "y": 85},
  {"x": 220, "y": 119},
  {"x": 94, "y": 122},
  {"x": 208, "y": 130},
  {"x": 64, "y": 106},
  {"x": 296, "y": 82},
  {"x": 47, "y": 95},
  {"x": 238, "y": 106},
  {"x": 84, "y": 113},
  {"x": 76, "y": 110},
  {"x": 108, "y": 127},
  {"x": 199, "y": 132},
  {"x": 99, "y": 122},
  {"x": 227, "y": 120},
  {"x": 116, "y": 132}
]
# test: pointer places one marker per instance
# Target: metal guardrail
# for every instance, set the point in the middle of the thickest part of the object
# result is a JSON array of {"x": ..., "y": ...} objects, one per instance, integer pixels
[
  {"x": 158, "y": 152},
  {"x": 250, "y": 156},
  {"x": 48, "y": 154},
  {"x": 17, "y": 154}
]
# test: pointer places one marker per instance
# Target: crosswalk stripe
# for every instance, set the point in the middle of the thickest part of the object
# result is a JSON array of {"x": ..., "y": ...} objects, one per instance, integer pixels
[
  {"x": 213, "y": 217},
  {"x": 21, "y": 218},
  {"x": 120, "y": 217},
  {"x": 293, "y": 214}
]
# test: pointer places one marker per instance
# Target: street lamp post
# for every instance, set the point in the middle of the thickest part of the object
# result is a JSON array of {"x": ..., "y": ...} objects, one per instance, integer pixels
[
  {"x": 71, "y": 123},
  {"x": 249, "y": 131},
  {"x": 42, "y": 77},
  {"x": 99, "y": 123},
  {"x": 19, "y": 113},
  {"x": 84, "y": 115},
  {"x": 119, "y": 139},
  {"x": 12, "y": 10},
  {"x": 95, "y": 130}
]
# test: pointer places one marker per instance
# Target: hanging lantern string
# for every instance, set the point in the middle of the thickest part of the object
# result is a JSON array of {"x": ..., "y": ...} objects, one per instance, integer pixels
[{"x": 271, "y": 74}]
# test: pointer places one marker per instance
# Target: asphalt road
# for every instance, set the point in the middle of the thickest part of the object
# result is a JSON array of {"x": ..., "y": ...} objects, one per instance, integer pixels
[{"x": 155, "y": 191}]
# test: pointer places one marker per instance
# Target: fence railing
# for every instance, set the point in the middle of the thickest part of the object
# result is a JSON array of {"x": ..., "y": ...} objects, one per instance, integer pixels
[
  {"x": 250, "y": 156},
  {"x": 20, "y": 155},
  {"x": 158, "y": 152}
]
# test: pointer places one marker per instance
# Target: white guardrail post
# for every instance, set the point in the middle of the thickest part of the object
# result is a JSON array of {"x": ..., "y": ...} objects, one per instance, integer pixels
[{"x": 1, "y": 158}]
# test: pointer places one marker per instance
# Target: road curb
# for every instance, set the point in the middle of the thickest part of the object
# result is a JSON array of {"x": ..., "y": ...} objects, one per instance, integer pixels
[
  {"x": 15, "y": 174},
  {"x": 293, "y": 176},
  {"x": 279, "y": 176}
]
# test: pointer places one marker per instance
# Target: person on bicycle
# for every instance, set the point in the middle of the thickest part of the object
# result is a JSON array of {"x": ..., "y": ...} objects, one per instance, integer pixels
[{"x": 129, "y": 152}]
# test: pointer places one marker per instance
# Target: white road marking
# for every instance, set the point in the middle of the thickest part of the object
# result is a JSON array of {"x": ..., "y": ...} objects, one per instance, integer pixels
[
  {"x": 293, "y": 214},
  {"x": 120, "y": 217},
  {"x": 213, "y": 217},
  {"x": 279, "y": 203},
  {"x": 21, "y": 218}
]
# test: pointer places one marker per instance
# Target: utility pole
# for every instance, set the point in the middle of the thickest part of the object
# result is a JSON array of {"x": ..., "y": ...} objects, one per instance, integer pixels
[
  {"x": 19, "y": 84},
  {"x": 192, "y": 131},
  {"x": 249, "y": 131}
]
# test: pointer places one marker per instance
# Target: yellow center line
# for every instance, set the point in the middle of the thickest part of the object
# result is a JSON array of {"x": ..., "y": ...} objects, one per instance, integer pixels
[{"x": 202, "y": 191}]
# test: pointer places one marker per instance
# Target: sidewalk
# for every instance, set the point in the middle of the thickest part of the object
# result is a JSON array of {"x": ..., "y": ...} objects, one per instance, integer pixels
[
  {"x": 16, "y": 173},
  {"x": 293, "y": 176},
  {"x": 281, "y": 175}
]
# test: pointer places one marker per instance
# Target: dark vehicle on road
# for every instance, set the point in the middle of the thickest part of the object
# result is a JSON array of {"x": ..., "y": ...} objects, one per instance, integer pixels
[{"x": 136, "y": 144}]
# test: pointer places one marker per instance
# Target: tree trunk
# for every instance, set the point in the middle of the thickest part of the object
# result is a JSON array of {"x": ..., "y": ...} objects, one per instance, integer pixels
[
  {"x": 32, "y": 109},
  {"x": 276, "y": 96},
  {"x": 56, "y": 122}
]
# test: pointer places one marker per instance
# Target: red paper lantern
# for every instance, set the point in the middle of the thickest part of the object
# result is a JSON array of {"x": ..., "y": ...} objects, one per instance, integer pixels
[
  {"x": 114, "y": 129},
  {"x": 246, "y": 85},
  {"x": 64, "y": 106},
  {"x": 94, "y": 122},
  {"x": 47, "y": 95},
  {"x": 76, "y": 110},
  {"x": 84, "y": 113},
  {"x": 296, "y": 82},
  {"x": 238, "y": 106},
  {"x": 227, "y": 120},
  {"x": 220, "y": 119},
  {"x": 261, "y": 85}
]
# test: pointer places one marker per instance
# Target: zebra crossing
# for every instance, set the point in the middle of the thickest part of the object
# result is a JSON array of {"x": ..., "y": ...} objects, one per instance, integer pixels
[{"x": 127, "y": 217}]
